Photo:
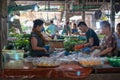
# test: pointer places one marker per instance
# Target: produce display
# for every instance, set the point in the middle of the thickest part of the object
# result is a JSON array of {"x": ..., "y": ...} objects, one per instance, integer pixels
[
  {"x": 70, "y": 43},
  {"x": 90, "y": 62},
  {"x": 45, "y": 62}
]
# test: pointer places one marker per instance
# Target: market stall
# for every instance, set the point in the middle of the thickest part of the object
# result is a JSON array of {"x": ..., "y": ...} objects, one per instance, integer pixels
[{"x": 63, "y": 63}]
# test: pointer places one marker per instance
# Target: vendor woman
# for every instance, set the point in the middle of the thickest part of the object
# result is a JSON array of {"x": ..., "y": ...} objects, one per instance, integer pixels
[
  {"x": 37, "y": 40},
  {"x": 108, "y": 45}
]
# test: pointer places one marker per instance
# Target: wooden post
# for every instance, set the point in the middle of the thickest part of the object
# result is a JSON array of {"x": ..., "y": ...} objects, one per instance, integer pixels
[
  {"x": 65, "y": 11},
  {"x": 3, "y": 29},
  {"x": 112, "y": 15},
  {"x": 0, "y": 37},
  {"x": 83, "y": 11},
  {"x": 48, "y": 4}
]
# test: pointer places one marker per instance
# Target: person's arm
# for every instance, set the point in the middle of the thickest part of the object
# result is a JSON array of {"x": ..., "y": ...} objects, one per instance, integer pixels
[
  {"x": 90, "y": 43},
  {"x": 34, "y": 45},
  {"x": 106, "y": 51},
  {"x": 94, "y": 47},
  {"x": 110, "y": 46}
]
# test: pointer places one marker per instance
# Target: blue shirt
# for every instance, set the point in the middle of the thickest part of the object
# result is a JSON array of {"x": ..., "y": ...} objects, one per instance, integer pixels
[
  {"x": 53, "y": 29},
  {"x": 74, "y": 30}
]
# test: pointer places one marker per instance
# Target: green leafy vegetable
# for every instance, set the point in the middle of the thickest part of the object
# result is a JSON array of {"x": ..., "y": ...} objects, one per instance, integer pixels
[{"x": 70, "y": 43}]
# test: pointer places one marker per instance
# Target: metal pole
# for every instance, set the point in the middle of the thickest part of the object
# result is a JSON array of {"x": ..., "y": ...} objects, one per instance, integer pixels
[{"x": 112, "y": 15}]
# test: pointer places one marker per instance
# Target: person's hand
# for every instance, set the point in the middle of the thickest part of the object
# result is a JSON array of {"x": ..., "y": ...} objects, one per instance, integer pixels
[
  {"x": 86, "y": 50},
  {"x": 45, "y": 50},
  {"x": 95, "y": 53},
  {"x": 109, "y": 49}
]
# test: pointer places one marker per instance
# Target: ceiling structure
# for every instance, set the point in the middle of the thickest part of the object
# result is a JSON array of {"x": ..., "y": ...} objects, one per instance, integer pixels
[{"x": 72, "y": 7}]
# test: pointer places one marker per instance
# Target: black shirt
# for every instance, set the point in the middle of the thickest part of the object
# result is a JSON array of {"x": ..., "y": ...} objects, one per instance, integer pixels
[
  {"x": 90, "y": 33},
  {"x": 36, "y": 53}
]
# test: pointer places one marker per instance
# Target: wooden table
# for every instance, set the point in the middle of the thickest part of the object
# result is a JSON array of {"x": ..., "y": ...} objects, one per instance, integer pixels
[
  {"x": 20, "y": 69},
  {"x": 27, "y": 70},
  {"x": 105, "y": 72}
]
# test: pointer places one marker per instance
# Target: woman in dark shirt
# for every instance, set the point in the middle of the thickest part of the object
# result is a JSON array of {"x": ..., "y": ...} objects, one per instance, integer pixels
[{"x": 37, "y": 40}]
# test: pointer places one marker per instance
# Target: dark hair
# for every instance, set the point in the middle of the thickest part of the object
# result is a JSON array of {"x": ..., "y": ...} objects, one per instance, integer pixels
[
  {"x": 37, "y": 22},
  {"x": 67, "y": 22},
  {"x": 82, "y": 24},
  {"x": 51, "y": 21},
  {"x": 74, "y": 24},
  {"x": 105, "y": 24},
  {"x": 118, "y": 25}
]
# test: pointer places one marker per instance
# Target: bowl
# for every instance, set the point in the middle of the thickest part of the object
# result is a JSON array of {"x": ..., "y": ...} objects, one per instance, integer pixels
[
  {"x": 91, "y": 62},
  {"x": 45, "y": 62},
  {"x": 115, "y": 62}
]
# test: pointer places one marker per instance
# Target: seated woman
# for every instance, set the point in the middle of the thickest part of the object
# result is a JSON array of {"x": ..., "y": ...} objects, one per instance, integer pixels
[
  {"x": 37, "y": 40},
  {"x": 117, "y": 37},
  {"x": 74, "y": 29},
  {"x": 107, "y": 47}
]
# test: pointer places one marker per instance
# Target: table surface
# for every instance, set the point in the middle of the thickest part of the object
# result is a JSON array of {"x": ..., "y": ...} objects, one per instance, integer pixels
[{"x": 27, "y": 70}]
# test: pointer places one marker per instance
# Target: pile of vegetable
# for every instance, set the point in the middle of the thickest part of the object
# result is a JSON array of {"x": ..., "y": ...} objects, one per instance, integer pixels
[{"x": 70, "y": 43}]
